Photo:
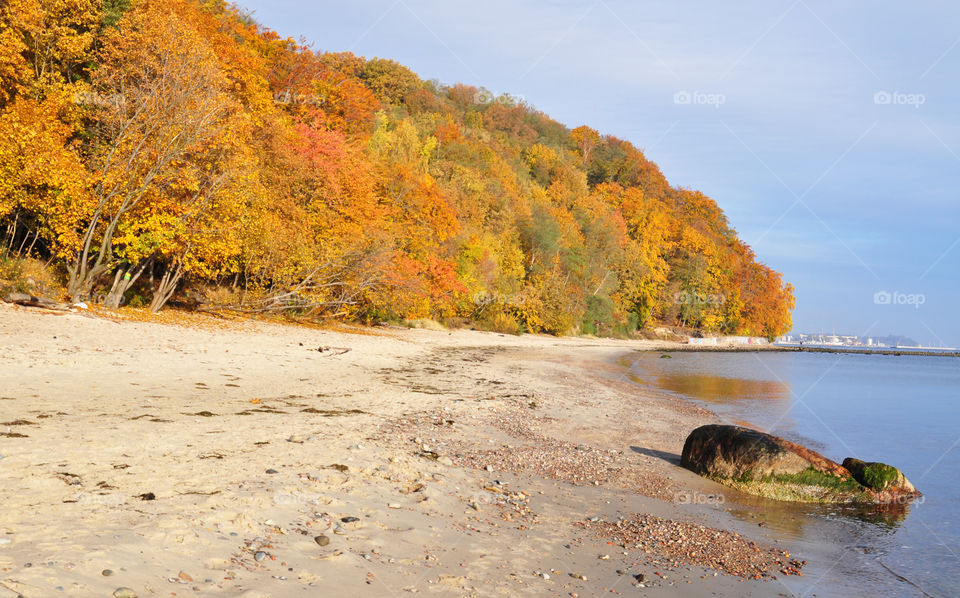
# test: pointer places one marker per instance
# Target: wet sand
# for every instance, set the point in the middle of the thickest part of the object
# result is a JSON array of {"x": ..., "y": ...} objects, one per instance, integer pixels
[{"x": 191, "y": 456}]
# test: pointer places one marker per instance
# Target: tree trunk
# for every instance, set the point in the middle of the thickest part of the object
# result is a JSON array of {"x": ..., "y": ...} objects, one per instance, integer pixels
[
  {"x": 122, "y": 281},
  {"x": 166, "y": 288}
]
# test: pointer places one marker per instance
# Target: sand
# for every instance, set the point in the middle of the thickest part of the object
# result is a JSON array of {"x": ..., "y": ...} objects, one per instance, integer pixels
[{"x": 199, "y": 457}]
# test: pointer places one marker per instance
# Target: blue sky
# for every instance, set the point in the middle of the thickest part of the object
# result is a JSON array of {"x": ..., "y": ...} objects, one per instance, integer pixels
[{"x": 828, "y": 132}]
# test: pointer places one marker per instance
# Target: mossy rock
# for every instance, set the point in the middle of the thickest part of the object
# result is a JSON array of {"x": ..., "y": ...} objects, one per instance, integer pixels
[
  {"x": 772, "y": 467},
  {"x": 878, "y": 476}
]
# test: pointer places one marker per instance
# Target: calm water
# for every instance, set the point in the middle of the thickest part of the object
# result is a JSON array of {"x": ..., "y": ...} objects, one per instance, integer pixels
[{"x": 904, "y": 411}]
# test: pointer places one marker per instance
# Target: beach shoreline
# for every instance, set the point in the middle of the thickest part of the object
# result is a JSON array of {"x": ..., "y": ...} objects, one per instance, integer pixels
[{"x": 210, "y": 458}]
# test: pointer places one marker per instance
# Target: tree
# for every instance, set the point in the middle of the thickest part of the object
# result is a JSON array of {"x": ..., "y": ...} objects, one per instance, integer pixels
[
  {"x": 167, "y": 101},
  {"x": 585, "y": 139}
]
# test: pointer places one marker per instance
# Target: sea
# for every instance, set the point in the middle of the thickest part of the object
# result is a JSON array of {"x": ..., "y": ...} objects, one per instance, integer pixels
[{"x": 902, "y": 410}]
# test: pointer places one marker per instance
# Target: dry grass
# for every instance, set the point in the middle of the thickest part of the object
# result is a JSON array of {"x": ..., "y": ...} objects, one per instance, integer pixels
[{"x": 28, "y": 275}]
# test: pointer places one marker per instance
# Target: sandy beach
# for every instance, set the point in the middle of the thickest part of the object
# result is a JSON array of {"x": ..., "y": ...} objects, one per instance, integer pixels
[{"x": 194, "y": 456}]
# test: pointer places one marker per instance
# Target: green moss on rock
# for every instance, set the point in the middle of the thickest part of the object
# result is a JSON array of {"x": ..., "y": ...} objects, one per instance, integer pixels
[
  {"x": 878, "y": 476},
  {"x": 809, "y": 485},
  {"x": 812, "y": 477}
]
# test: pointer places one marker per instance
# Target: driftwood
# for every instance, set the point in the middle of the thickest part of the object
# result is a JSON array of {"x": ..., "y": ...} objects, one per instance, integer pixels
[
  {"x": 34, "y": 301},
  {"x": 333, "y": 351}
]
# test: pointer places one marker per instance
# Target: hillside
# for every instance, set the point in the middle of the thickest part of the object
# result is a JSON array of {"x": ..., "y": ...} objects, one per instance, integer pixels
[{"x": 178, "y": 151}]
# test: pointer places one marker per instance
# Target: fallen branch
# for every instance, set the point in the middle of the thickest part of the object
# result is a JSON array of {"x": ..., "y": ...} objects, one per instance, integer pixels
[{"x": 34, "y": 301}]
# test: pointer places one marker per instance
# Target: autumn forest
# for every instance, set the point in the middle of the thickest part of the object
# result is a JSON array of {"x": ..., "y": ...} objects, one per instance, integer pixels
[{"x": 177, "y": 152}]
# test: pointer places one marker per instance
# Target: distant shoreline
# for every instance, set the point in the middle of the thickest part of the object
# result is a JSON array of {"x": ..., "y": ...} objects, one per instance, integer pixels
[{"x": 792, "y": 349}]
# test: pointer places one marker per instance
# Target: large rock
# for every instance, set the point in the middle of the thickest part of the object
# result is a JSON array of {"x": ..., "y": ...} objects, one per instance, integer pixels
[
  {"x": 744, "y": 454},
  {"x": 770, "y": 466}
]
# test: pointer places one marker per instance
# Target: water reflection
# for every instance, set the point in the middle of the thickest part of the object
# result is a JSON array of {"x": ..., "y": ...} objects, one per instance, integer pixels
[{"x": 681, "y": 376}]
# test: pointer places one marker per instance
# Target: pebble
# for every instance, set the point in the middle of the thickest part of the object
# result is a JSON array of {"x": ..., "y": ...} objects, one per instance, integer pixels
[
  {"x": 106, "y": 572},
  {"x": 489, "y": 467},
  {"x": 349, "y": 519},
  {"x": 185, "y": 576},
  {"x": 272, "y": 471},
  {"x": 339, "y": 531},
  {"x": 124, "y": 593},
  {"x": 5, "y": 541},
  {"x": 445, "y": 461},
  {"x": 322, "y": 540},
  {"x": 259, "y": 556},
  {"x": 393, "y": 505}
]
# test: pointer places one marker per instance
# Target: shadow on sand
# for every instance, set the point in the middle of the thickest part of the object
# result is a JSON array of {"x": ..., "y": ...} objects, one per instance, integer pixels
[{"x": 671, "y": 458}]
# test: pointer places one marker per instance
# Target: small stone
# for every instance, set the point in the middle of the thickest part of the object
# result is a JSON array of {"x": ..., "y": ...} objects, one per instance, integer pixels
[
  {"x": 489, "y": 468},
  {"x": 604, "y": 557},
  {"x": 445, "y": 461},
  {"x": 106, "y": 572},
  {"x": 124, "y": 593},
  {"x": 5, "y": 541},
  {"x": 322, "y": 540},
  {"x": 339, "y": 531},
  {"x": 259, "y": 556},
  {"x": 393, "y": 505},
  {"x": 272, "y": 471},
  {"x": 184, "y": 576},
  {"x": 349, "y": 519}
]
